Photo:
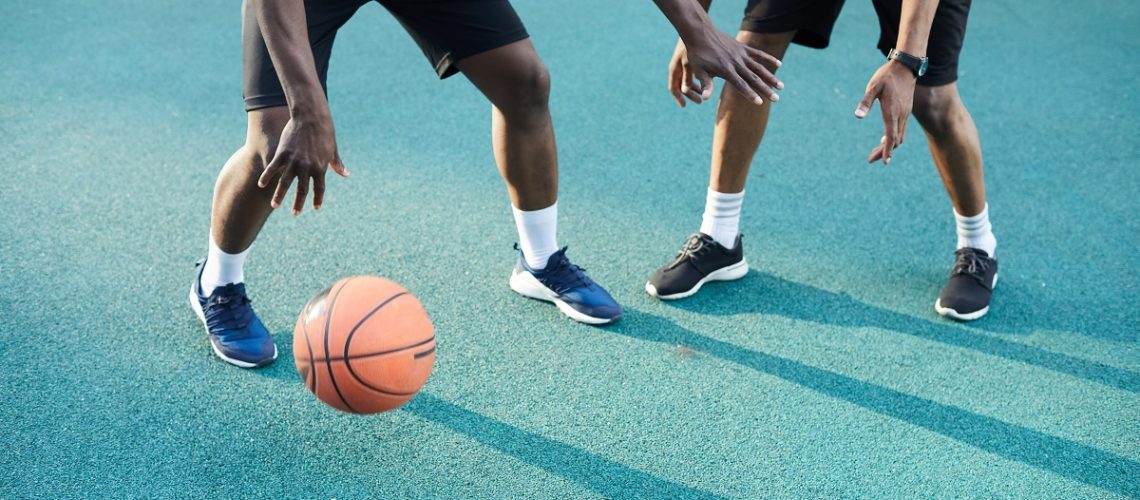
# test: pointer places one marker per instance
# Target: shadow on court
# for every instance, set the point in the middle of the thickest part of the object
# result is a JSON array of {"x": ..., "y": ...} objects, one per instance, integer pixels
[
  {"x": 1070, "y": 459},
  {"x": 608, "y": 478},
  {"x": 763, "y": 293}
]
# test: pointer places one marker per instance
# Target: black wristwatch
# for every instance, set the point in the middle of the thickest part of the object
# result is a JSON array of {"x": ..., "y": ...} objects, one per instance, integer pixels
[{"x": 916, "y": 64}]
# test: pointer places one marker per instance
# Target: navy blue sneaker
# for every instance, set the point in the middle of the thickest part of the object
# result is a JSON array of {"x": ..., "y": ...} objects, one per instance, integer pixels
[
  {"x": 568, "y": 287},
  {"x": 235, "y": 332}
]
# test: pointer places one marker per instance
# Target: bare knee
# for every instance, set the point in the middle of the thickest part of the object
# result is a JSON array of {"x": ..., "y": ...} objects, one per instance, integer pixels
[
  {"x": 263, "y": 133},
  {"x": 527, "y": 91},
  {"x": 938, "y": 109}
]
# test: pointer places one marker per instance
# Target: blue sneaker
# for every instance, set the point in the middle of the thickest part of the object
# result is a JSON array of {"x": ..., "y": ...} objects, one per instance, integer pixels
[
  {"x": 568, "y": 287},
  {"x": 235, "y": 332}
]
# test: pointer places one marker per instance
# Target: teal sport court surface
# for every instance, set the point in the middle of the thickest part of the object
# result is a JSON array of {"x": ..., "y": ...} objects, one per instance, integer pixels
[{"x": 824, "y": 373}]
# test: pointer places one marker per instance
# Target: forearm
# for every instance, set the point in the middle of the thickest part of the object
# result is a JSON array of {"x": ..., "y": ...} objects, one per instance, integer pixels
[
  {"x": 285, "y": 30},
  {"x": 914, "y": 26},
  {"x": 688, "y": 17}
]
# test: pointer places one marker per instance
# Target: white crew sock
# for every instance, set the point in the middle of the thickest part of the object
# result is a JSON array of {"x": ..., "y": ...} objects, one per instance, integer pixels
[
  {"x": 722, "y": 217},
  {"x": 976, "y": 232},
  {"x": 222, "y": 268},
  {"x": 538, "y": 234}
]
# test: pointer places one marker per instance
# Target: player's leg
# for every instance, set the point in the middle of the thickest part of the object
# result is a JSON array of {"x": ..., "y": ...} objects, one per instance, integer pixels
[
  {"x": 740, "y": 124},
  {"x": 954, "y": 144},
  {"x": 715, "y": 252},
  {"x": 953, "y": 140},
  {"x": 240, "y": 207},
  {"x": 517, "y": 83},
  {"x": 956, "y": 149},
  {"x": 488, "y": 43}
]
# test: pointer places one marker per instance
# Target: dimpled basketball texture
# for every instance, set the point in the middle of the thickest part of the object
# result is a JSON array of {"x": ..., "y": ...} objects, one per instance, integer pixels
[{"x": 364, "y": 345}]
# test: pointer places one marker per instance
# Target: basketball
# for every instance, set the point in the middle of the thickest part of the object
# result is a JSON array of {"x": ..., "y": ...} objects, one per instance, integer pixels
[{"x": 364, "y": 345}]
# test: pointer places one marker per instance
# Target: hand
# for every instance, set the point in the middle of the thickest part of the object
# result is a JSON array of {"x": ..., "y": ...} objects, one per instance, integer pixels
[
  {"x": 714, "y": 54},
  {"x": 893, "y": 86},
  {"x": 680, "y": 75},
  {"x": 306, "y": 149}
]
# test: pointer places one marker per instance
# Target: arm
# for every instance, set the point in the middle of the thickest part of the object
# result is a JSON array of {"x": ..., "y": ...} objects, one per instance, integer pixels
[
  {"x": 308, "y": 142},
  {"x": 710, "y": 53},
  {"x": 893, "y": 84}
]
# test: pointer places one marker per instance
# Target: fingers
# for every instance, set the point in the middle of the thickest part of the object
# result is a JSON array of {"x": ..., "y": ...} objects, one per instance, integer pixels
[
  {"x": 318, "y": 191},
  {"x": 755, "y": 69},
  {"x": 744, "y": 88},
  {"x": 760, "y": 66},
  {"x": 890, "y": 129},
  {"x": 764, "y": 58},
  {"x": 675, "y": 75},
  {"x": 302, "y": 193},
  {"x": 756, "y": 83},
  {"x": 867, "y": 101},
  {"x": 279, "y": 162},
  {"x": 877, "y": 153},
  {"x": 337, "y": 165},
  {"x": 903, "y": 121},
  {"x": 283, "y": 183},
  {"x": 706, "y": 85}
]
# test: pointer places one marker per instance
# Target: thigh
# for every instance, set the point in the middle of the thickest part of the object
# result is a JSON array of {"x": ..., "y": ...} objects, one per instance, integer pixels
[
  {"x": 947, "y": 33},
  {"x": 261, "y": 87},
  {"x": 451, "y": 30},
  {"x": 811, "y": 20}
]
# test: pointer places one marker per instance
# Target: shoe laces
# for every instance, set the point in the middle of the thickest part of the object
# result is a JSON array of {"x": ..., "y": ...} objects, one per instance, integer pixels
[
  {"x": 563, "y": 276},
  {"x": 694, "y": 248},
  {"x": 970, "y": 262},
  {"x": 228, "y": 308}
]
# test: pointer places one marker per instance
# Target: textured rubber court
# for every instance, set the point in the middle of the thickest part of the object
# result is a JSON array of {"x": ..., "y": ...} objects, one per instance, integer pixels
[{"x": 825, "y": 372}]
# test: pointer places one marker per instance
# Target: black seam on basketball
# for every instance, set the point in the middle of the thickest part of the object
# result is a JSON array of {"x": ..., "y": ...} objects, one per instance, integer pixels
[
  {"x": 328, "y": 320},
  {"x": 381, "y": 353},
  {"x": 419, "y": 355},
  {"x": 377, "y": 389},
  {"x": 348, "y": 339},
  {"x": 348, "y": 365},
  {"x": 348, "y": 343}
]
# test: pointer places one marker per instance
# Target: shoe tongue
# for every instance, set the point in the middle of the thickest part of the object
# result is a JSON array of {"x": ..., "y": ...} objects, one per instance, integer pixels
[{"x": 229, "y": 291}]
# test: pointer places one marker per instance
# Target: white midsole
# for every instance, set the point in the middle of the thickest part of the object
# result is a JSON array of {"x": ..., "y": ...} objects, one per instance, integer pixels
[
  {"x": 527, "y": 285},
  {"x": 202, "y": 317},
  {"x": 948, "y": 312},
  {"x": 730, "y": 273}
]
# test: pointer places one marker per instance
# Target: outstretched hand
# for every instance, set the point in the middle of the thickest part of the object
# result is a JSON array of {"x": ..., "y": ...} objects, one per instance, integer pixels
[
  {"x": 306, "y": 150},
  {"x": 893, "y": 86},
  {"x": 715, "y": 54}
]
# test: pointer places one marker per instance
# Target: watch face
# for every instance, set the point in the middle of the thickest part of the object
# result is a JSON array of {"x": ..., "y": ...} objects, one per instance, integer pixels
[{"x": 922, "y": 67}]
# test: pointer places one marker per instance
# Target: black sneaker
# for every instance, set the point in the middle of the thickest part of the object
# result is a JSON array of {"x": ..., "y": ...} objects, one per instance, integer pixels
[
  {"x": 966, "y": 296},
  {"x": 701, "y": 260}
]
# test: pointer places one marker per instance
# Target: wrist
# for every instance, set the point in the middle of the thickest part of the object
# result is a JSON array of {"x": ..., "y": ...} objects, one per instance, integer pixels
[
  {"x": 309, "y": 104},
  {"x": 914, "y": 64}
]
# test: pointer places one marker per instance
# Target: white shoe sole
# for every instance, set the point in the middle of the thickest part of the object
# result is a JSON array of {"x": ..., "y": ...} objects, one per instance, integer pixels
[
  {"x": 527, "y": 285},
  {"x": 952, "y": 314},
  {"x": 730, "y": 273},
  {"x": 236, "y": 362}
]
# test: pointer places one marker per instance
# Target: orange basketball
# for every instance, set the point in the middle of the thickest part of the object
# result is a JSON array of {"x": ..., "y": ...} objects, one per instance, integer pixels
[{"x": 364, "y": 345}]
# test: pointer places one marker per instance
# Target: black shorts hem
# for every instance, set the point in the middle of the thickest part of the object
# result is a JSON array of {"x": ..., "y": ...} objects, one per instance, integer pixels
[
  {"x": 804, "y": 37},
  {"x": 446, "y": 67},
  {"x": 265, "y": 101}
]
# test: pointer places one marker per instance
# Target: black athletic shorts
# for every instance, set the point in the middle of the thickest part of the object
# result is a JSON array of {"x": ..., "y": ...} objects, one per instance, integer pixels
[
  {"x": 812, "y": 20},
  {"x": 446, "y": 31}
]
